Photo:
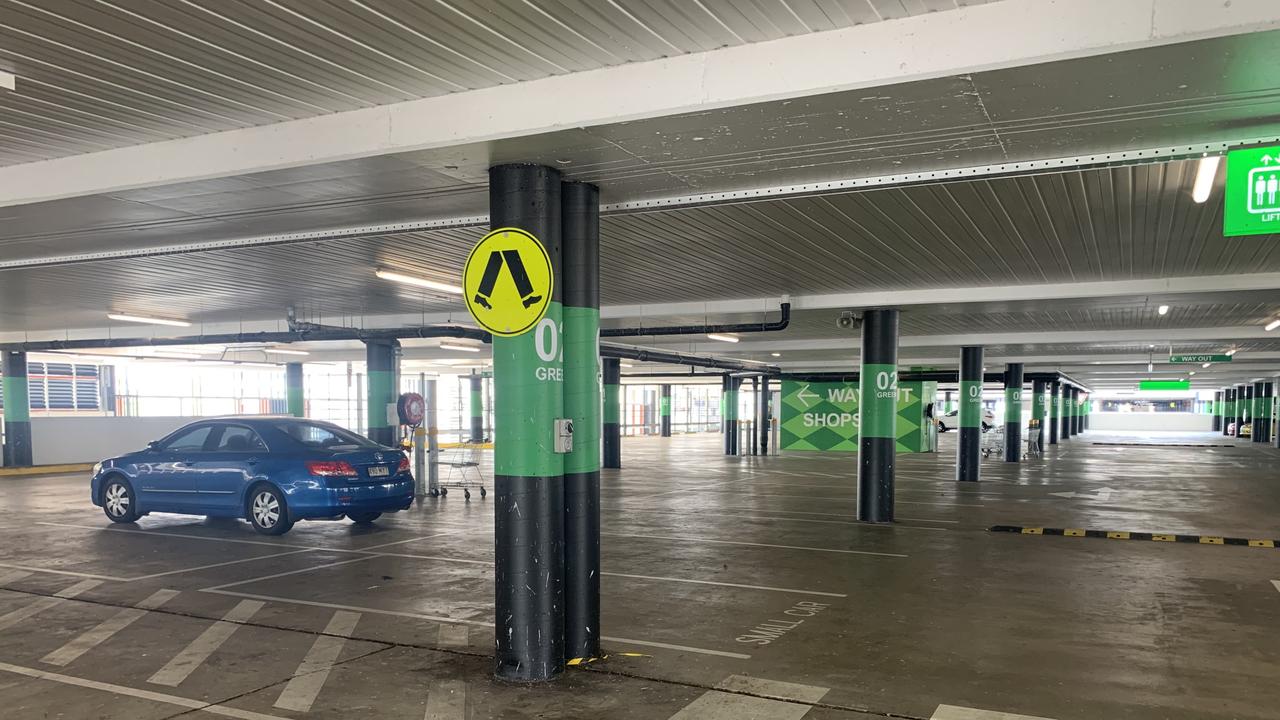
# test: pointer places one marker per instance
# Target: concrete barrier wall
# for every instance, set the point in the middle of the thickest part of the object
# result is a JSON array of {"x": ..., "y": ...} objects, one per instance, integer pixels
[
  {"x": 1156, "y": 421},
  {"x": 59, "y": 440}
]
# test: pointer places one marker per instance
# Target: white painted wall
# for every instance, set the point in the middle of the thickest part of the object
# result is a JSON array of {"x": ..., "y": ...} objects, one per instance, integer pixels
[
  {"x": 58, "y": 440},
  {"x": 1156, "y": 421}
]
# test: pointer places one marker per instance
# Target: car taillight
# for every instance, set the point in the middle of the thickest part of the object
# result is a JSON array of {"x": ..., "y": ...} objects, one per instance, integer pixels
[
  {"x": 331, "y": 468},
  {"x": 404, "y": 464}
]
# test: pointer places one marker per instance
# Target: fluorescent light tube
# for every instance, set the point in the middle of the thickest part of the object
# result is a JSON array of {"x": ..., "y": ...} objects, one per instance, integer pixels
[
  {"x": 1205, "y": 174},
  {"x": 463, "y": 348},
  {"x": 722, "y": 338},
  {"x": 148, "y": 320},
  {"x": 419, "y": 282}
]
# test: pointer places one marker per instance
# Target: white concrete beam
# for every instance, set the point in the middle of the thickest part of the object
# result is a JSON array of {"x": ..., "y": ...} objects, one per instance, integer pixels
[{"x": 969, "y": 39}]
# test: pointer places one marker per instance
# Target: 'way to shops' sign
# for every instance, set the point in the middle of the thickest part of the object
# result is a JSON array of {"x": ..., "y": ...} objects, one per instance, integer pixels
[
  {"x": 1198, "y": 359},
  {"x": 1252, "y": 202}
]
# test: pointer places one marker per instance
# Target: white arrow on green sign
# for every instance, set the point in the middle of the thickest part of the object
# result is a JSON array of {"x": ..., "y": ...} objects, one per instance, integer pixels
[{"x": 1199, "y": 359}]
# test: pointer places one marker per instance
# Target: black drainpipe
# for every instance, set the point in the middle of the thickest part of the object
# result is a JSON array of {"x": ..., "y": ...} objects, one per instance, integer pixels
[{"x": 780, "y": 324}]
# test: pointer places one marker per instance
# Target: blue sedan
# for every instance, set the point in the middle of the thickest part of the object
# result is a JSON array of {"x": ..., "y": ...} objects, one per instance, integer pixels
[{"x": 272, "y": 471}]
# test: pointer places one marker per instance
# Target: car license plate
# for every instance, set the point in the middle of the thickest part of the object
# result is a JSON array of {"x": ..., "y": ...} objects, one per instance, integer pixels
[{"x": 378, "y": 471}]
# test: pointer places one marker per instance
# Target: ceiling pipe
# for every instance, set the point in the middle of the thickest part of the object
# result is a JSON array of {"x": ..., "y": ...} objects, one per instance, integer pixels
[
  {"x": 780, "y": 324},
  {"x": 627, "y": 352},
  {"x": 321, "y": 335}
]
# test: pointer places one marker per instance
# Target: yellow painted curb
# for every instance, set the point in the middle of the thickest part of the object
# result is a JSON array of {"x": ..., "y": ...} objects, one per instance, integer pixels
[{"x": 45, "y": 469}]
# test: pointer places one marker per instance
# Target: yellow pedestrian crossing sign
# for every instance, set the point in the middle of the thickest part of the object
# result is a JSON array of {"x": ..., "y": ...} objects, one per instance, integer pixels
[{"x": 508, "y": 282}]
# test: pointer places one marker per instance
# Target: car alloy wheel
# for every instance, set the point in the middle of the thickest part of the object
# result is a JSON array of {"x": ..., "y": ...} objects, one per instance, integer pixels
[
  {"x": 266, "y": 510},
  {"x": 116, "y": 500}
]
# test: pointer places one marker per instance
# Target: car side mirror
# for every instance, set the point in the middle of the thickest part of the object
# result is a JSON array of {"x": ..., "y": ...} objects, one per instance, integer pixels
[{"x": 153, "y": 445}]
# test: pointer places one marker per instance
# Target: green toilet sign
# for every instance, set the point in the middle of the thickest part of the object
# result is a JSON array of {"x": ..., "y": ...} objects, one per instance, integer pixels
[{"x": 1252, "y": 203}]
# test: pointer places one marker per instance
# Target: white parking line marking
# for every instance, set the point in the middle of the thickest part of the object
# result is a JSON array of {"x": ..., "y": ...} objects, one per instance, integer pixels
[
  {"x": 311, "y": 675},
  {"x": 291, "y": 572},
  {"x": 141, "y": 694},
  {"x": 458, "y": 621},
  {"x": 687, "y": 539},
  {"x": 1277, "y": 584},
  {"x": 90, "y": 639},
  {"x": 35, "y": 608},
  {"x": 446, "y": 700},
  {"x": 953, "y": 712},
  {"x": 717, "y": 705},
  {"x": 13, "y": 576},
  {"x": 453, "y": 635},
  {"x": 773, "y": 688},
  {"x": 202, "y": 647},
  {"x": 769, "y": 518},
  {"x": 68, "y": 573},
  {"x": 210, "y": 566},
  {"x": 727, "y": 584}
]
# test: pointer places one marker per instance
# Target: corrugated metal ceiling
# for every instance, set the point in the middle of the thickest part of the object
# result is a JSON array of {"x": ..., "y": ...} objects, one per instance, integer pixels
[
  {"x": 1099, "y": 224},
  {"x": 97, "y": 75}
]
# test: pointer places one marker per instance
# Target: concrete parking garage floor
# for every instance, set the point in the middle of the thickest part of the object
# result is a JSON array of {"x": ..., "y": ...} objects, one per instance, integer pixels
[{"x": 734, "y": 587}]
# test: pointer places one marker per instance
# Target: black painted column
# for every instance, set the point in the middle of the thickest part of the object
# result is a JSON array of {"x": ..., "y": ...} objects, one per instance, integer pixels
[
  {"x": 529, "y": 501},
  {"x": 382, "y": 383},
  {"x": 612, "y": 428},
  {"x": 878, "y": 414},
  {"x": 17, "y": 411},
  {"x": 1268, "y": 411},
  {"x": 763, "y": 420},
  {"x": 1013, "y": 376},
  {"x": 664, "y": 410},
  {"x": 1256, "y": 416},
  {"x": 1064, "y": 418},
  {"x": 477, "y": 407},
  {"x": 1228, "y": 409},
  {"x": 1217, "y": 411},
  {"x": 1075, "y": 411},
  {"x": 1040, "y": 410},
  {"x": 1241, "y": 401},
  {"x": 755, "y": 415},
  {"x": 580, "y": 203},
  {"x": 1052, "y": 421},
  {"x": 969, "y": 450}
]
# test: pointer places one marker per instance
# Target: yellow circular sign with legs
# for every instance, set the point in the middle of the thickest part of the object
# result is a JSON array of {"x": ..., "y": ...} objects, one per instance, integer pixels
[{"x": 508, "y": 281}]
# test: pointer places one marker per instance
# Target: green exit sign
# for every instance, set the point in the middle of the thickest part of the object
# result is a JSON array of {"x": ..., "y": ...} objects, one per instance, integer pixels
[
  {"x": 1164, "y": 384},
  {"x": 1252, "y": 202},
  {"x": 1199, "y": 359}
]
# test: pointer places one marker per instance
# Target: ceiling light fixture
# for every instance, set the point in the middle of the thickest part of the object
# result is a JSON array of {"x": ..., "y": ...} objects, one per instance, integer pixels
[
  {"x": 8, "y": 80},
  {"x": 148, "y": 320},
  {"x": 1192, "y": 372},
  {"x": 394, "y": 276},
  {"x": 285, "y": 351},
  {"x": 1205, "y": 174},
  {"x": 463, "y": 348},
  {"x": 625, "y": 365},
  {"x": 1272, "y": 325},
  {"x": 1206, "y": 365},
  {"x": 776, "y": 354},
  {"x": 722, "y": 338},
  {"x": 1231, "y": 352},
  {"x": 1151, "y": 367},
  {"x": 1163, "y": 309}
]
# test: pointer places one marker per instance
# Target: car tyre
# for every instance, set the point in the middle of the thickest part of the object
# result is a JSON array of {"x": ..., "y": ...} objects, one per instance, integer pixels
[
  {"x": 118, "y": 500},
  {"x": 363, "y": 518},
  {"x": 942, "y": 427},
  {"x": 268, "y": 512}
]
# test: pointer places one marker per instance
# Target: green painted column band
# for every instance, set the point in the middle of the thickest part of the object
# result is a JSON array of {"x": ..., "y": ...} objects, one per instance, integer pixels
[
  {"x": 295, "y": 402},
  {"x": 970, "y": 403},
  {"x": 613, "y": 404},
  {"x": 1038, "y": 409},
  {"x": 1055, "y": 406},
  {"x": 878, "y": 401},
  {"x": 17, "y": 401},
  {"x": 582, "y": 387},
  {"x": 664, "y": 406},
  {"x": 382, "y": 391},
  {"x": 731, "y": 405},
  {"x": 528, "y": 375},
  {"x": 1013, "y": 405}
]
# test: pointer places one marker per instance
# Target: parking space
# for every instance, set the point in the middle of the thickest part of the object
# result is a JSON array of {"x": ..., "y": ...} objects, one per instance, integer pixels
[{"x": 751, "y": 575}]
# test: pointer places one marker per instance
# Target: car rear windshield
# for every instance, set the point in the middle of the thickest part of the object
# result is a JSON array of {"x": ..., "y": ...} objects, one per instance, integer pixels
[{"x": 324, "y": 437}]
